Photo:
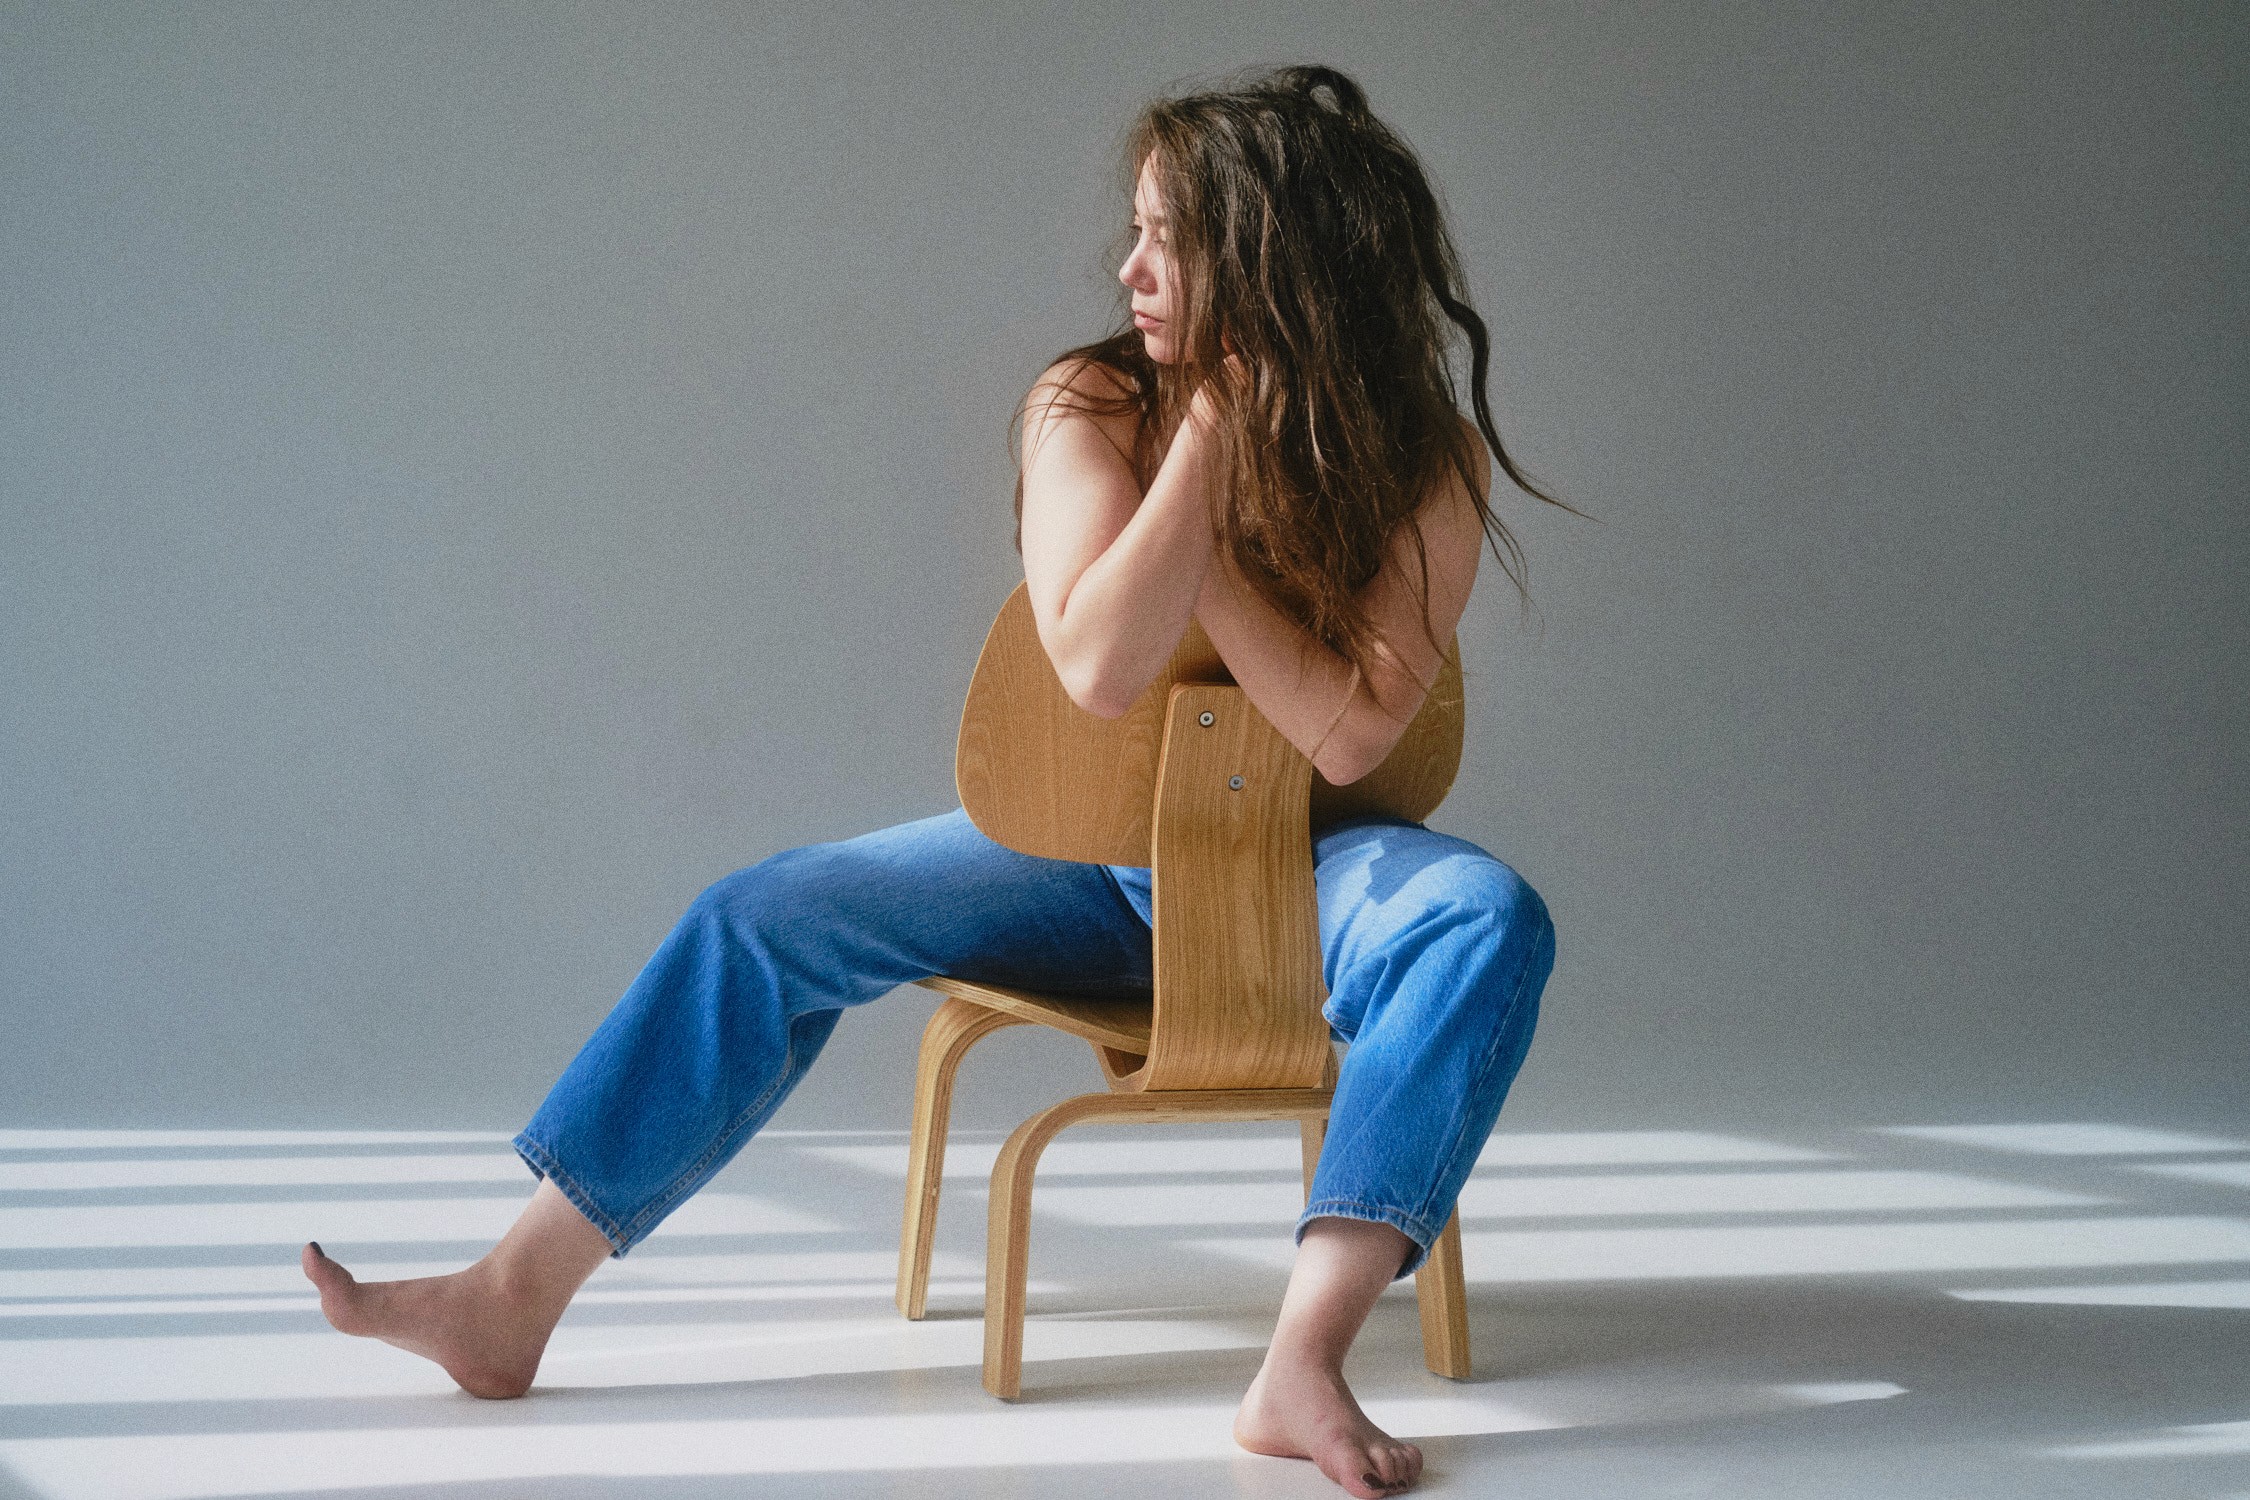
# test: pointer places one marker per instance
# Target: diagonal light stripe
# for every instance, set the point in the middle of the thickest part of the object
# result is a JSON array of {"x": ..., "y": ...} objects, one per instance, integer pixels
[
  {"x": 255, "y": 1171},
  {"x": 347, "y": 1222},
  {"x": 2206, "y": 1440},
  {"x": 235, "y": 1140},
  {"x": 1503, "y": 1256},
  {"x": 2221, "y": 1173},
  {"x": 622, "y": 1296},
  {"x": 2234, "y": 1294},
  {"x": 648, "y": 1266},
  {"x": 318, "y": 1364},
  {"x": 1060, "y": 1435},
  {"x": 1162, "y": 1152},
  {"x": 2069, "y": 1138},
  {"x": 1611, "y": 1195}
]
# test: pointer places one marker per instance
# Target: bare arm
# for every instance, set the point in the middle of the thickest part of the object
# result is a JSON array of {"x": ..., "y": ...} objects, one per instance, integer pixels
[
  {"x": 1113, "y": 574},
  {"x": 1309, "y": 692}
]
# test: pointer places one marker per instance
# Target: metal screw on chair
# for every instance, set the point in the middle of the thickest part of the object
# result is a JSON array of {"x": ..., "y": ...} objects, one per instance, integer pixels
[
  {"x": 1205, "y": 719},
  {"x": 1234, "y": 783}
]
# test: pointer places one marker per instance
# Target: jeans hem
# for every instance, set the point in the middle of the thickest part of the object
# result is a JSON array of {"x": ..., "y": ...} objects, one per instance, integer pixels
[
  {"x": 1416, "y": 1229},
  {"x": 543, "y": 1165}
]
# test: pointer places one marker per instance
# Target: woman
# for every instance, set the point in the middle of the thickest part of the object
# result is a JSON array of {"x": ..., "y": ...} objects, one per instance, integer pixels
[{"x": 1271, "y": 449}]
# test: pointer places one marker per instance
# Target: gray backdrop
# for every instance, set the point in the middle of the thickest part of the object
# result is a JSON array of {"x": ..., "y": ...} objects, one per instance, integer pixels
[{"x": 472, "y": 474}]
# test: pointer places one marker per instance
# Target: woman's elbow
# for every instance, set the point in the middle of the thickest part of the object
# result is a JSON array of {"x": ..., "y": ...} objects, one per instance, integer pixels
[
  {"x": 1341, "y": 765},
  {"x": 1353, "y": 750},
  {"x": 1093, "y": 691},
  {"x": 1086, "y": 677}
]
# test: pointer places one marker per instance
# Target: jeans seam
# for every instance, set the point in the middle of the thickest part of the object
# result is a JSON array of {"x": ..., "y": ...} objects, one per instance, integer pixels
[
  {"x": 664, "y": 1202},
  {"x": 1484, "y": 1068}
]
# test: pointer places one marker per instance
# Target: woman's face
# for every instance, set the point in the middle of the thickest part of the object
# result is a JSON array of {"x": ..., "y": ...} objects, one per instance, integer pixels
[{"x": 1148, "y": 275}]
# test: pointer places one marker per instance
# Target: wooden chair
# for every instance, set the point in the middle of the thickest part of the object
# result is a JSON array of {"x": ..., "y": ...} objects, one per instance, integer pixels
[{"x": 1196, "y": 784}]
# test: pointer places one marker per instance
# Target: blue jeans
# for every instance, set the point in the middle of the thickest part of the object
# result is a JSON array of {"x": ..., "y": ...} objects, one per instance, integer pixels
[{"x": 1434, "y": 955}]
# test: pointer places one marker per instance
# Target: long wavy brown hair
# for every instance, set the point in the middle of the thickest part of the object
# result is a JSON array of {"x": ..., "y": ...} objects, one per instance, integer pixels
[{"x": 1304, "y": 237}]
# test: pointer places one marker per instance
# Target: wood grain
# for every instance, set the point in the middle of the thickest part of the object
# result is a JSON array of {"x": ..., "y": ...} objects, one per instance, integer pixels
[
  {"x": 1041, "y": 775},
  {"x": 956, "y": 1026},
  {"x": 1222, "y": 813},
  {"x": 1237, "y": 957},
  {"x": 1007, "y": 1252},
  {"x": 1121, "y": 1022},
  {"x": 1442, "y": 1293}
]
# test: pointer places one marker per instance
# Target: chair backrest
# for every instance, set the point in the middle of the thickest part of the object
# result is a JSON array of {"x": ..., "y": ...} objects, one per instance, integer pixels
[
  {"x": 1041, "y": 775},
  {"x": 1222, "y": 811}
]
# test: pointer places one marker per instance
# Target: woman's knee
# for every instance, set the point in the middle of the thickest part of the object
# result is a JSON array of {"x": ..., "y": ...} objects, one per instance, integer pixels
[
  {"x": 800, "y": 882},
  {"x": 1473, "y": 890},
  {"x": 1387, "y": 883},
  {"x": 1502, "y": 891},
  {"x": 870, "y": 869},
  {"x": 752, "y": 887},
  {"x": 1451, "y": 929}
]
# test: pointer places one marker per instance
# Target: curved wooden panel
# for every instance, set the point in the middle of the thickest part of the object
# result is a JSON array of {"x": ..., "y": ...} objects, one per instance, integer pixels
[
  {"x": 1039, "y": 774},
  {"x": 1238, "y": 986},
  {"x": 1007, "y": 1237},
  {"x": 1120, "y": 1022}
]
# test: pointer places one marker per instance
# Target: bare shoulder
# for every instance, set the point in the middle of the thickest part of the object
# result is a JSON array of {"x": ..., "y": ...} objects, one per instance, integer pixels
[
  {"x": 1481, "y": 465},
  {"x": 1081, "y": 390},
  {"x": 1451, "y": 520},
  {"x": 1080, "y": 376}
]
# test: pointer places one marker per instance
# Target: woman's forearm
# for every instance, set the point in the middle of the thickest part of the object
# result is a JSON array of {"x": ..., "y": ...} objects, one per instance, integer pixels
[
  {"x": 1305, "y": 690},
  {"x": 1124, "y": 616}
]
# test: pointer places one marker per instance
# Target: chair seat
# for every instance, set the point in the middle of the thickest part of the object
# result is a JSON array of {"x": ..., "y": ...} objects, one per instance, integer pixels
[{"x": 1120, "y": 1021}]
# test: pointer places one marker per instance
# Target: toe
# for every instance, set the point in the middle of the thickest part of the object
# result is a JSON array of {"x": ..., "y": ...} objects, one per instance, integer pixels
[
  {"x": 323, "y": 1272},
  {"x": 1354, "y": 1470}
]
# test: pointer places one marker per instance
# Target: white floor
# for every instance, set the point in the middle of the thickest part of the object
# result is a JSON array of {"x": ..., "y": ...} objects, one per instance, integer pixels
[{"x": 2026, "y": 1309}]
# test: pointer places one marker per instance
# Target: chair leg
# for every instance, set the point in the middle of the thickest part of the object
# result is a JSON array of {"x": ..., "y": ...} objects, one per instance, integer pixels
[
  {"x": 1443, "y": 1296},
  {"x": 1007, "y": 1249},
  {"x": 956, "y": 1026},
  {"x": 1310, "y": 1134}
]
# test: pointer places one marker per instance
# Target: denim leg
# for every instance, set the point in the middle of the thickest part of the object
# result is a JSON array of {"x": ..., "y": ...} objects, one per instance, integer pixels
[
  {"x": 1435, "y": 954},
  {"x": 738, "y": 1000}
]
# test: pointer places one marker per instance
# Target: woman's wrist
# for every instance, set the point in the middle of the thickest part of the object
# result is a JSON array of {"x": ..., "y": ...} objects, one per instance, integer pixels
[{"x": 1204, "y": 403}]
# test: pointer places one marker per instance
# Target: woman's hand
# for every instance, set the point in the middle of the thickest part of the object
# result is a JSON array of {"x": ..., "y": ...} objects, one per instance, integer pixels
[{"x": 1203, "y": 405}]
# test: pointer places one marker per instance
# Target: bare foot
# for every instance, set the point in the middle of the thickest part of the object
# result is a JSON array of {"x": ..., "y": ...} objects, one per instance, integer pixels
[
  {"x": 1303, "y": 1411},
  {"x": 488, "y": 1340}
]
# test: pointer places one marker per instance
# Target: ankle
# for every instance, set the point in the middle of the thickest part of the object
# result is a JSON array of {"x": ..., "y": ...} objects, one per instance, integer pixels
[
  {"x": 505, "y": 1280},
  {"x": 1295, "y": 1361}
]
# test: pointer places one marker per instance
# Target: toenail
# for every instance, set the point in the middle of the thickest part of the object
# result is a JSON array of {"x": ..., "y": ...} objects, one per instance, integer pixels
[{"x": 316, "y": 1247}]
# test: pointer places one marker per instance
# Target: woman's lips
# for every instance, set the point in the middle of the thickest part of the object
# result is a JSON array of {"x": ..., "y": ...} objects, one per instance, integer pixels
[{"x": 1144, "y": 322}]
